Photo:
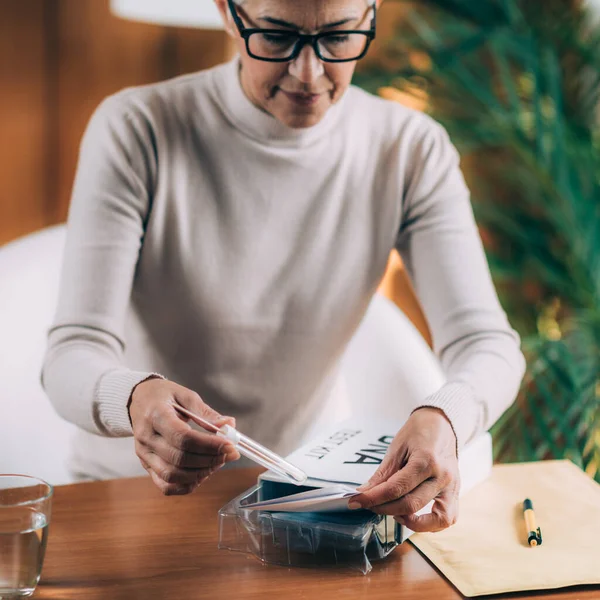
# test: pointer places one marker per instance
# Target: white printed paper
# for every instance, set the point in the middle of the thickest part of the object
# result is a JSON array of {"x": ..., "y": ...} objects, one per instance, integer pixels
[
  {"x": 348, "y": 453},
  {"x": 346, "y": 456}
]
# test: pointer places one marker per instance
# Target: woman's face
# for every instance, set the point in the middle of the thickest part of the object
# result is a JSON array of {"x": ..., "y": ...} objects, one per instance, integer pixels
[{"x": 297, "y": 93}]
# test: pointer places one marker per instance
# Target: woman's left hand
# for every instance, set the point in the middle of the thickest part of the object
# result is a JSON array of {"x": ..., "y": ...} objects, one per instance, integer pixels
[{"x": 420, "y": 465}]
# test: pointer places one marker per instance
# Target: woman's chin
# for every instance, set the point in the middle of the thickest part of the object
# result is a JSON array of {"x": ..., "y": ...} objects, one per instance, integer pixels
[{"x": 300, "y": 117}]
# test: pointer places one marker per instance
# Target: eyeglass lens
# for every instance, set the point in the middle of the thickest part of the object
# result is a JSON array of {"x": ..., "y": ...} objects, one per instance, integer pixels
[{"x": 336, "y": 46}]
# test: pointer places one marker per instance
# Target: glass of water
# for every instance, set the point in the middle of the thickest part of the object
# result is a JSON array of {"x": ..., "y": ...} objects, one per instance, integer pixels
[{"x": 25, "y": 504}]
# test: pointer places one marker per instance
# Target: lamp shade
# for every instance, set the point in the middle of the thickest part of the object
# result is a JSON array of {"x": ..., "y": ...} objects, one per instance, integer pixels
[{"x": 182, "y": 13}]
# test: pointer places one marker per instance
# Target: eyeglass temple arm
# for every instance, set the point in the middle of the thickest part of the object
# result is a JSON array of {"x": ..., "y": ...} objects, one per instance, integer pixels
[
  {"x": 236, "y": 18},
  {"x": 374, "y": 19}
]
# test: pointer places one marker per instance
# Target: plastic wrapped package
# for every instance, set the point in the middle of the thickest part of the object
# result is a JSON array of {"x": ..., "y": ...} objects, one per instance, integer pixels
[{"x": 344, "y": 540}]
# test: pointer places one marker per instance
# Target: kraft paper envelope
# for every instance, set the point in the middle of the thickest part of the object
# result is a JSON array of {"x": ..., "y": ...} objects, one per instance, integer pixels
[{"x": 486, "y": 551}]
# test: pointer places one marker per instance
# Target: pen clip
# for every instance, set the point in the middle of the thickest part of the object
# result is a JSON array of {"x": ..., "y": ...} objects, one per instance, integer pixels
[{"x": 535, "y": 535}]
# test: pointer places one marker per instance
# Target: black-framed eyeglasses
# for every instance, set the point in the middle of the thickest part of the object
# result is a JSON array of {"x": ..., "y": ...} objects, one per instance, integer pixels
[{"x": 280, "y": 45}]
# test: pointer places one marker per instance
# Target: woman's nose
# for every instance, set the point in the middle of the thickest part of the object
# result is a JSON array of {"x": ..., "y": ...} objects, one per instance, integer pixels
[{"x": 307, "y": 67}]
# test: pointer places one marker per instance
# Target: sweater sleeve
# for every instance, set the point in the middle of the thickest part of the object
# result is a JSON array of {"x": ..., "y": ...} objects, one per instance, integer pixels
[
  {"x": 83, "y": 373},
  {"x": 441, "y": 248}
]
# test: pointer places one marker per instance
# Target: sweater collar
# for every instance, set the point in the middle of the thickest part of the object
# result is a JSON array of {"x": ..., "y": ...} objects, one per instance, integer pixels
[{"x": 259, "y": 125}]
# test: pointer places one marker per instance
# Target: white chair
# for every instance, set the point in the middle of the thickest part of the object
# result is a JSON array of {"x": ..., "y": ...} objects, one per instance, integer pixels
[
  {"x": 34, "y": 440},
  {"x": 386, "y": 368},
  {"x": 387, "y": 365}
]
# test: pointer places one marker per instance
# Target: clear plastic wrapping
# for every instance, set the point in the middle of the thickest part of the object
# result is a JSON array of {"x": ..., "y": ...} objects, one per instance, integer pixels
[{"x": 344, "y": 540}]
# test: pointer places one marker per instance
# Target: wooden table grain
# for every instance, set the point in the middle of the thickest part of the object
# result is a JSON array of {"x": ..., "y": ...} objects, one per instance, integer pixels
[{"x": 122, "y": 540}]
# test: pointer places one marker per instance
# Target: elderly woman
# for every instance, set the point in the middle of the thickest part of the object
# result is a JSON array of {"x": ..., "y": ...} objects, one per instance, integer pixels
[{"x": 226, "y": 234}]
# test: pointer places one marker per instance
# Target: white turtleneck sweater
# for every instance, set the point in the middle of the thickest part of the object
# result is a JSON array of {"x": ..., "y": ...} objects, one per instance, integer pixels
[{"x": 212, "y": 244}]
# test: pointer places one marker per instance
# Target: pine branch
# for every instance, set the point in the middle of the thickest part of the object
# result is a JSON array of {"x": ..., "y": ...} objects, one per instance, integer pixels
[{"x": 518, "y": 89}]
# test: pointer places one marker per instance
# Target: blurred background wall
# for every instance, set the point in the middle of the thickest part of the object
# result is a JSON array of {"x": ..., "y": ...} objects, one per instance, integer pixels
[{"x": 58, "y": 60}]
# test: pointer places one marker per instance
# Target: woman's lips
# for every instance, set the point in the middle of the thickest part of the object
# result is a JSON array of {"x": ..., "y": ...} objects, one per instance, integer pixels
[{"x": 302, "y": 99}]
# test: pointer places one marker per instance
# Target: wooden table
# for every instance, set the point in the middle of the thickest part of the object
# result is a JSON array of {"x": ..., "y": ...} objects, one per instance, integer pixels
[{"x": 122, "y": 539}]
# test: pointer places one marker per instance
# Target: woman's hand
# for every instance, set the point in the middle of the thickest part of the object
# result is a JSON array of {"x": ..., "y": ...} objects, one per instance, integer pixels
[
  {"x": 420, "y": 465},
  {"x": 177, "y": 457}
]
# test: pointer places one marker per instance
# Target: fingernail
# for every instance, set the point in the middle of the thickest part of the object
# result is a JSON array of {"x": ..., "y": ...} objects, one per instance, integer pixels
[
  {"x": 354, "y": 505},
  {"x": 232, "y": 455}
]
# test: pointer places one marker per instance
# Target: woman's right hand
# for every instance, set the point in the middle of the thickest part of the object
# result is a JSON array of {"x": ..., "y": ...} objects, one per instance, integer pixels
[{"x": 177, "y": 457}]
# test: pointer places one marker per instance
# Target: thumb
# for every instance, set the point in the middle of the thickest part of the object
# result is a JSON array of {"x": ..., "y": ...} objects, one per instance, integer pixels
[
  {"x": 382, "y": 474},
  {"x": 221, "y": 420},
  {"x": 194, "y": 403}
]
